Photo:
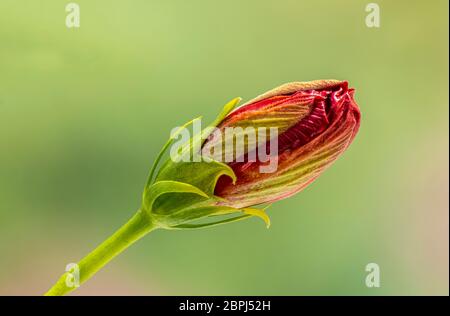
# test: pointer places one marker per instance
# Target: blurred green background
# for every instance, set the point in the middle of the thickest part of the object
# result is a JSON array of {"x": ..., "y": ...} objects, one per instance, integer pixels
[{"x": 83, "y": 112}]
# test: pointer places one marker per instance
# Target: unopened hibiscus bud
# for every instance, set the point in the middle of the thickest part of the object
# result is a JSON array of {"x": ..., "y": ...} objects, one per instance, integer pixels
[
  {"x": 316, "y": 122},
  {"x": 288, "y": 136},
  {"x": 280, "y": 142}
]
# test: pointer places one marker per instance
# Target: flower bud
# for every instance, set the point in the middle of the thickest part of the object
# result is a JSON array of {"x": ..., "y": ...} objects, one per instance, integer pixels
[
  {"x": 312, "y": 124},
  {"x": 316, "y": 122}
]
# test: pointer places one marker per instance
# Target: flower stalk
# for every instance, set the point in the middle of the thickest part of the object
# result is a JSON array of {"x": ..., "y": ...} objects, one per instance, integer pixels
[{"x": 136, "y": 228}]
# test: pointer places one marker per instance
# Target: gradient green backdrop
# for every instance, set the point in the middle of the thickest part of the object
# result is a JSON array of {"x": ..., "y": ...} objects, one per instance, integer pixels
[{"x": 83, "y": 113}]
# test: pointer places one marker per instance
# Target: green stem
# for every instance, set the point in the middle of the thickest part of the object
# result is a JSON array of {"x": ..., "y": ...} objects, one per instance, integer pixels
[{"x": 137, "y": 227}]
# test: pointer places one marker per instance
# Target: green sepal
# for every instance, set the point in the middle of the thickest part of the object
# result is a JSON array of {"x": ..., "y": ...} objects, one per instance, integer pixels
[
  {"x": 227, "y": 108},
  {"x": 259, "y": 213},
  {"x": 164, "y": 149},
  {"x": 207, "y": 208},
  {"x": 152, "y": 193},
  {"x": 248, "y": 212},
  {"x": 212, "y": 224},
  {"x": 195, "y": 211},
  {"x": 203, "y": 175},
  {"x": 195, "y": 141}
]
